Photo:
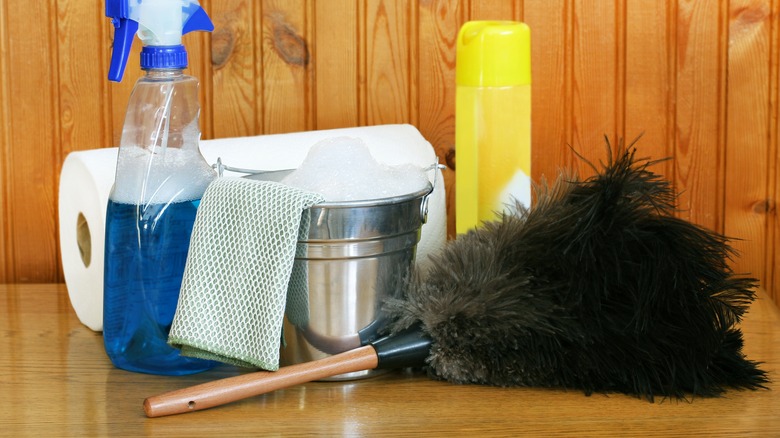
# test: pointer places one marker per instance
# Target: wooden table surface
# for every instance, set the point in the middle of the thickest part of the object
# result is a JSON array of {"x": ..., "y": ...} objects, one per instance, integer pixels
[{"x": 55, "y": 380}]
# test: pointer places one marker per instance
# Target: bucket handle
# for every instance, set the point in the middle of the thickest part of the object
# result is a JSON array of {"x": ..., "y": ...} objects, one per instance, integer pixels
[
  {"x": 221, "y": 168},
  {"x": 436, "y": 166}
]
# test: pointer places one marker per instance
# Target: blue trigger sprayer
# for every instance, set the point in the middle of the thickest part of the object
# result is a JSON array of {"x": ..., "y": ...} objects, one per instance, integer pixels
[{"x": 160, "y": 178}]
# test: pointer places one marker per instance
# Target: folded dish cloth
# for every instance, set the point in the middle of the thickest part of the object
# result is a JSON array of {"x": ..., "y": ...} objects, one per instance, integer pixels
[{"x": 235, "y": 283}]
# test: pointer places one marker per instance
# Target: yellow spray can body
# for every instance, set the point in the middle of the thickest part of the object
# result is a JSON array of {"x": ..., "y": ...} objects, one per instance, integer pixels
[{"x": 492, "y": 120}]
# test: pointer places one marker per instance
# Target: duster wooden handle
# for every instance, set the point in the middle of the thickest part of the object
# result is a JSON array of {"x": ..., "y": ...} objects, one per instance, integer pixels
[{"x": 219, "y": 392}]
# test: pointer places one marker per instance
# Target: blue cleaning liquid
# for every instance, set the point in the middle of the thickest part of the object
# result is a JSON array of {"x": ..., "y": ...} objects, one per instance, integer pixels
[{"x": 146, "y": 250}]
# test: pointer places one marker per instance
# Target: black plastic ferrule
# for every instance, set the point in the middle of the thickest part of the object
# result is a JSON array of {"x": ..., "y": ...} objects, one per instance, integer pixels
[{"x": 407, "y": 348}]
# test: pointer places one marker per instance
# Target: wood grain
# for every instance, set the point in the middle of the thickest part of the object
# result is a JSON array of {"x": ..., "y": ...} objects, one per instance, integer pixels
[
  {"x": 648, "y": 80},
  {"x": 33, "y": 125},
  {"x": 84, "y": 122},
  {"x": 286, "y": 79},
  {"x": 335, "y": 53},
  {"x": 234, "y": 77},
  {"x": 57, "y": 381},
  {"x": 699, "y": 78},
  {"x": 503, "y": 10},
  {"x": 772, "y": 260},
  {"x": 551, "y": 115},
  {"x": 199, "y": 55},
  {"x": 594, "y": 92},
  {"x": 747, "y": 133},
  {"x": 387, "y": 62},
  {"x": 6, "y": 265},
  {"x": 699, "y": 108},
  {"x": 439, "y": 22}
]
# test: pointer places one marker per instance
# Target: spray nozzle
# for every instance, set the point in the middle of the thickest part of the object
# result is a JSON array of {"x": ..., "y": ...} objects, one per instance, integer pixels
[{"x": 160, "y": 25}]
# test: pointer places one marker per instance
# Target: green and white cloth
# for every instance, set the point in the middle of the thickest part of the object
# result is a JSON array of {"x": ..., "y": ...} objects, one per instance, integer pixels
[{"x": 239, "y": 267}]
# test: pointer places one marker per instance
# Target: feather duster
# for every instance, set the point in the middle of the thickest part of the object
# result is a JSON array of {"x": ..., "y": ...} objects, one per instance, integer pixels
[{"x": 598, "y": 287}]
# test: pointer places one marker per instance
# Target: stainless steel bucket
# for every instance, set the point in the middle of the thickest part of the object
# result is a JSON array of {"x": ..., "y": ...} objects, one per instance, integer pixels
[{"x": 356, "y": 254}]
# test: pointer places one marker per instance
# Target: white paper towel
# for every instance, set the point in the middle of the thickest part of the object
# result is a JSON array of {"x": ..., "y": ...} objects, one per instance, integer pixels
[
  {"x": 85, "y": 182},
  {"x": 87, "y": 177}
]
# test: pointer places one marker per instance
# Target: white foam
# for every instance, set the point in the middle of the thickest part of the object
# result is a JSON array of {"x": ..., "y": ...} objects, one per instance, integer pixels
[
  {"x": 174, "y": 175},
  {"x": 343, "y": 169}
]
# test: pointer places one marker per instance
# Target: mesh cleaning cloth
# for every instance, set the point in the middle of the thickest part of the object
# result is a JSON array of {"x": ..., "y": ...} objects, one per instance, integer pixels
[{"x": 239, "y": 266}]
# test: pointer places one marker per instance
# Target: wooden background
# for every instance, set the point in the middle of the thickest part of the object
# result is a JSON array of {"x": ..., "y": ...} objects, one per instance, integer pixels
[{"x": 698, "y": 77}]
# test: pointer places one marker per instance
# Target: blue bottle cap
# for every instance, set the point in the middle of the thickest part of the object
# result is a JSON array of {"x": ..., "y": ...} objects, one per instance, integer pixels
[{"x": 164, "y": 57}]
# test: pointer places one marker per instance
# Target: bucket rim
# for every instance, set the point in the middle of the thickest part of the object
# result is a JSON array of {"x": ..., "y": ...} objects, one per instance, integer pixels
[{"x": 422, "y": 193}]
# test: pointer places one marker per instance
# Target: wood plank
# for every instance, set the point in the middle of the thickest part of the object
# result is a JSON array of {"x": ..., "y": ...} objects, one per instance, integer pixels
[
  {"x": 493, "y": 10},
  {"x": 198, "y": 46},
  {"x": 362, "y": 65},
  {"x": 287, "y": 83},
  {"x": 551, "y": 69},
  {"x": 649, "y": 81},
  {"x": 336, "y": 45},
  {"x": 82, "y": 85},
  {"x": 746, "y": 200},
  {"x": 413, "y": 11},
  {"x": 772, "y": 258},
  {"x": 439, "y": 23},
  {"x": 388, "y": 76},
  {"x": 699, "y": 77},
  {"x": 83, "y": 90},
  {"x": 700, "y": 101},
  {"x": 33, "y": 125},
  {"x": 595, "y": 78},
  {"x": 6, "y": 248},
  {"x": 49, "y": 355},
  {"x": 259, "y": 69},
  {"x": 234, "y": 88}
]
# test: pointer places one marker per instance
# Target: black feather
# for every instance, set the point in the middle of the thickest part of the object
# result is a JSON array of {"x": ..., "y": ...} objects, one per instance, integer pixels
[{"x": 597, "y": 287}]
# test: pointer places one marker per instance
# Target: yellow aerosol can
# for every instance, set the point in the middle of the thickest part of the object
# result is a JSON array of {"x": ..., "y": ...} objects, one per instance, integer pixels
[{"x": 492, "y": 120}]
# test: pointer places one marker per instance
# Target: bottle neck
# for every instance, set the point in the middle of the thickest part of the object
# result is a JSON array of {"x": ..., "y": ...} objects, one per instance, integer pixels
[{"x": 161, "y": 74}]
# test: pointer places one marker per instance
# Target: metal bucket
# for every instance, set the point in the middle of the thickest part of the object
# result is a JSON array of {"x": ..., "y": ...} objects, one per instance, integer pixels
[{"x": 356, "y": 255}]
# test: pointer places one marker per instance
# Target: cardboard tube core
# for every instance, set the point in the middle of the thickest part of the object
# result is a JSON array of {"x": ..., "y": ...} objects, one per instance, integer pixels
[{"x": 84, "y": 239}]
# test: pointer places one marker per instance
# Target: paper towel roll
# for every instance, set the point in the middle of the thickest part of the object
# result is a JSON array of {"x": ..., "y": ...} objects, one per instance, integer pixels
[
  {"x": 85, "y": 182},
  {"x": 87, "y": 177}
]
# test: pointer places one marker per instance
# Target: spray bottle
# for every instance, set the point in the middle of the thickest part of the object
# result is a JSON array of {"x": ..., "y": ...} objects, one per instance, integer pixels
[
  {"x": 492, "y": 121},
  {"x": 160, "y": 178}
]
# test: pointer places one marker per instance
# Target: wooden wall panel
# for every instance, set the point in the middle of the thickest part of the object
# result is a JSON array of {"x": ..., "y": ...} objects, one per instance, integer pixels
[
  {"x": 6, "y": 265},
  {"x": 387, "y": 57},
  {"x": 648, "y": 79},
  {"x": 336, "y": 54},
  {"x": 439, "y": 22},
  {"x": 33, "y": 133},
  {"x": 746, "y": 196},
  {"x": 495, "y": 10},
  {"x": 772, "y": 260},
  {"x": 551, "y": 26},
  {"x": 84, "y": 122},
  {"x": 234, "y": 75},
  {"x": 699, "y": 104},
  {"x": 199, "y": 54},
  {"x": 595, "y": 96},
  {"x": 286, "y": 69},
  {"x": 698, "y": 77}
]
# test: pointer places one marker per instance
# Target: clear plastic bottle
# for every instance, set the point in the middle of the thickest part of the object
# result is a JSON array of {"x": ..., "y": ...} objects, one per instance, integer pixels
[
  {"x": 492, "y": 120},
  {"x": 160, "y": 178}
]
